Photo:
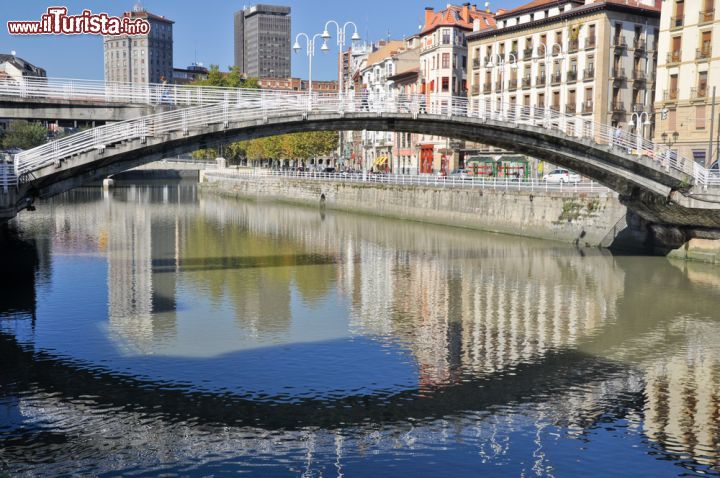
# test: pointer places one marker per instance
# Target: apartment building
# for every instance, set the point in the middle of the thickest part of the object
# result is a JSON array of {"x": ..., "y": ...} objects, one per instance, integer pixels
[
  {"x": 596, "y": 59},
  {"x": 141, "y": 58},
  {"x": 443, "y": 75},
  {"x": 687, "y": 75},
  {"x": 379, "y": 66}
]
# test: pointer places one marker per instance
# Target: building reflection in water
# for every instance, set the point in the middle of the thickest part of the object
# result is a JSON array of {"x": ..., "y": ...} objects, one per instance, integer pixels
[{"x": 467, "y": 306}]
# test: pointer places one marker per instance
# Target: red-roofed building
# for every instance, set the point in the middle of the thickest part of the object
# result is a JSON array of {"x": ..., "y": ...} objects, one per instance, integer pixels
[{"x": 443, "y": 74}]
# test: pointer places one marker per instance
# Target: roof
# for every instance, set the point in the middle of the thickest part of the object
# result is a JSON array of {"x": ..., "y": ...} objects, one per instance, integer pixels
[
  {"x": 533, "y": 5},
  {"x": 629, "y": 6},
  {"x": 385, "y": 51},
  {"x": 22, "y": 65},
  {"x": 148, "y": 15},
  {"x": 457, "y": 16},
  {"x": 545, "y": 4},
  {"x": 412, "y": 72}
]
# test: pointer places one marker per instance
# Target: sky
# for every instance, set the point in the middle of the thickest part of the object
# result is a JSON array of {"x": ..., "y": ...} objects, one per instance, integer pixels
[{"x": 203, "y": 30}]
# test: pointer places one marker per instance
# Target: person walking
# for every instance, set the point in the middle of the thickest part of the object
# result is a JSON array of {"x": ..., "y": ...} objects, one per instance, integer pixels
[{"x": 618, "y": 136}]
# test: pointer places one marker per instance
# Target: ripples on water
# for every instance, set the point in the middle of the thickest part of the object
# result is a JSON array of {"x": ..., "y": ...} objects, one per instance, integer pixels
[{"x": 160, "y": 330}]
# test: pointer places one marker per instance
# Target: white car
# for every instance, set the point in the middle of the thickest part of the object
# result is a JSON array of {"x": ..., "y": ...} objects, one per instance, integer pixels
[{"x": 562, "y": 176}]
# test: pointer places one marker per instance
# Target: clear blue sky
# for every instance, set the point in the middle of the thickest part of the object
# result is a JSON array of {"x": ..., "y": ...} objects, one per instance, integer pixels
[{"x": 204, "y": 30}]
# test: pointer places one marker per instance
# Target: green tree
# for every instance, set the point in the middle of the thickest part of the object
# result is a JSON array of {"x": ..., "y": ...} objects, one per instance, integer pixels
[
  {"x": 24, "y": 135},
  {"x": 231, "y": 79}
]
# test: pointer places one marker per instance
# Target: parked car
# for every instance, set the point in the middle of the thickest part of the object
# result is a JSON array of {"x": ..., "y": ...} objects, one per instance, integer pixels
[
  {"x": 461, "y": 174},
  {"x": 562, "y": 176}
]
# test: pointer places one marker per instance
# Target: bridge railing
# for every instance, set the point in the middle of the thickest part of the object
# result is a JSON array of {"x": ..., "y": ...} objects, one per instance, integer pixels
[
  {"x": 253, "y": 104},
  {"x": 494, "y": 183}
]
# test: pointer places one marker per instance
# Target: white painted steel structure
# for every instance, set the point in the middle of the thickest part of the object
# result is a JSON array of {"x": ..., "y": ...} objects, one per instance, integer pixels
[{"x": 225, "y": 105}]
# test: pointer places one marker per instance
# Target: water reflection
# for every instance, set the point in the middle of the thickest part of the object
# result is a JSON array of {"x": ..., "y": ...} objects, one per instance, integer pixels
[{"x": 272, "y": 339}]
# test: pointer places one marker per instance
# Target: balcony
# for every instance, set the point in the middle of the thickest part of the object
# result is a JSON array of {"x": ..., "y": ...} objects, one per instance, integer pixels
[
  {"x": 590, "y": 43},
  {"x": 677, "y": 22},
  {"x": 571, "y": 109},
  {"x": 638, "y": 107},
  {"x": 707, "y": 16},
  {"x": 619, "y": 43},
  {"x": 528, "y": 53},
  {"x": 556, "y": 78},
  {"x": 514, "y": 54},
  {"x": 487, "y": 88},
  {"x": 639, "y": 76},
  {"x": 526, "y": 82},
  {"x": 555, "y": 108},
  {"x": 572, "y": 76},
  {"x": 699, "y": 93},
  {"x": 587, "y": 107},
  {"x": 640, "y": 46},
  {"x": 475, "y": 90},
  {"x": 499, "y": 87},
  {"x": 673, "y": 57},
  {"x": 670, "y": 95},
  {"x": 588, "y": 74},
  {"x": 703, "y": 54},
  {"x": 618, "y": 106},
  {"x": 476, "y": 63},
  {"x": 540, "y": 80},
  {"x": 618, "y": 74},
  {"x": 573, "y": 46},
  {"x": 512, "y": 86}
]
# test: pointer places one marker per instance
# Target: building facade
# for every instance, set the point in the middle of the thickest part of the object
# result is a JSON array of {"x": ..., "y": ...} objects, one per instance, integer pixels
[
  {"x": 262, "y": 41},
  {"x": 595, "y": 59},
  {"x": 443, "y": 75},
  {"x": 688, "y": 74},
  {"x": 298, "y": 84},
  {"x": 15, "y": 67},
  {"x": 141, "y": 58},
  {"x": 185, "y": 76}
]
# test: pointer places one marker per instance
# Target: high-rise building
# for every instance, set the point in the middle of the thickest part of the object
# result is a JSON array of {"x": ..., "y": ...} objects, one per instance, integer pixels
[
  {"x": 262, "y": 41},
  {"x": 141, "y": 58},
  {"x": 688, "y": 71}
]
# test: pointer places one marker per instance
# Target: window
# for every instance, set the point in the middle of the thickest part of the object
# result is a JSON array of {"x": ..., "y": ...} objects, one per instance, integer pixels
[
  {"x": 445, "y": 84},
  {"x": 675, "y": 49},
  {"x": 446, "y": 60},
  {"x": 706, "y": 44},
  {"x": 677, "y": 21},
  {"x": 700, "y": 115},
  {"x": 446, "y": 36}
]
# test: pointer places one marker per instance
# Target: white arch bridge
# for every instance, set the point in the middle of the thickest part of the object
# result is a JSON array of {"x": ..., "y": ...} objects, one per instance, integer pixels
[{"x": 662, "y": 187}]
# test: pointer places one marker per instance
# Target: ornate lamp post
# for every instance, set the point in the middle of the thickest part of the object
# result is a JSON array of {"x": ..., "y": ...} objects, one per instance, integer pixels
[
  {"x": 310, "y": 51},
  {"x": 637, "y": 118},
  {"x": 341, "y": 35},
  {"x": 548, "y": 55}
]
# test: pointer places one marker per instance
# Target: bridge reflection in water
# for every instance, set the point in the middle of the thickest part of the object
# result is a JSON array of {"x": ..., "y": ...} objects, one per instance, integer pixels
[{"x": 519, "y": 348}]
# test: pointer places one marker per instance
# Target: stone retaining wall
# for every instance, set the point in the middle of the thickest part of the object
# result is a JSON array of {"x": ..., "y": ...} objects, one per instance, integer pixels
[{"x": 587, "y": 219}]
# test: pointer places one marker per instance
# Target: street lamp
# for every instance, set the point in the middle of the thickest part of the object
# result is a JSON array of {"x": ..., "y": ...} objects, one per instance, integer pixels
[
  {"x": 341, "y": 35},
  {"x": 310, "y": 51},
  {"x": 637, "y": 118},
  {"x": 549, "y": 55},
  {"x": 498, "y": 61}
]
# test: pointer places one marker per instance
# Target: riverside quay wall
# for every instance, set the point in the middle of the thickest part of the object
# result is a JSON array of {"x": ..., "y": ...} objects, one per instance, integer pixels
[{"x": 586, "y": 218}]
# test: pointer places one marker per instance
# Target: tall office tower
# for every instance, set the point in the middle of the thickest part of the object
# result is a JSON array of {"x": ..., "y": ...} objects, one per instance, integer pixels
[
  {"x": 141, "y": 58},
  {"x": 262, "y": 41}
]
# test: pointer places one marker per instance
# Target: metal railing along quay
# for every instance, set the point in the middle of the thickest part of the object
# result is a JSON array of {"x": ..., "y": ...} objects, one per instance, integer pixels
[
  {"x": 426, "y": 180},
  {"x": 226, "y": 105}
]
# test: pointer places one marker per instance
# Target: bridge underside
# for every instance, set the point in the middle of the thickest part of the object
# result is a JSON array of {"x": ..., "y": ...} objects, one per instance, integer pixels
[
  {"x": 658, "y": 196},
  {"x": 71, "y": 112}
]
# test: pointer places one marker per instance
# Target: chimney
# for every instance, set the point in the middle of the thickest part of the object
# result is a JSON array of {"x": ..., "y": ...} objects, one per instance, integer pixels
[
  {"x": 466, "y": 13},
  {"x": 429, "y": 14}
]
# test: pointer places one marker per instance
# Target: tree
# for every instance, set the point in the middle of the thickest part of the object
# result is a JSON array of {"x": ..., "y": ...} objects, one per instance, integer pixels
[
  {"x": 24, "y": 135},
  {"x": 231, "y": 79}
]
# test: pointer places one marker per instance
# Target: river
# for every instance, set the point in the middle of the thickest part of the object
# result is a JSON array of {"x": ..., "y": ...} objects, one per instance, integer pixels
[{"x": 159, "y": 329}]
